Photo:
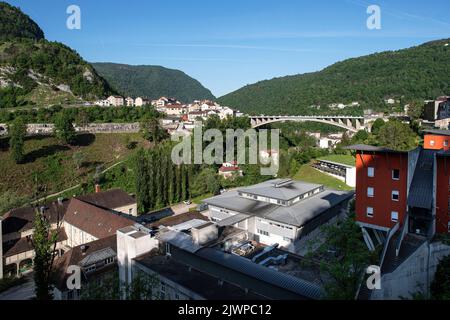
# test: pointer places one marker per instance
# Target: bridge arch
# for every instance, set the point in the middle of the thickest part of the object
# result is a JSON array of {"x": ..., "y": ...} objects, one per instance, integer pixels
[{"x": 261, "y": 121}]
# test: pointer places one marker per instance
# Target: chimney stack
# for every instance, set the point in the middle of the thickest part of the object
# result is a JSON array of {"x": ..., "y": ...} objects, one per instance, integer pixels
[{"x": 97, "y": 188}]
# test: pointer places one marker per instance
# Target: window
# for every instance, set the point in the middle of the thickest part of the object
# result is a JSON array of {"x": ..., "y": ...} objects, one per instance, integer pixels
[
  {"x": 446, "y": 143},
  {"x": 369, "y": 212},
  {"x": 396, "y": 174},
  {"x": 395, "y": 195},
  {"x": 370, "y": 192},
  {"x": 264, "y": 233},
  {"x": 371, "y": 172},
  {"x": 177, "y": 296},
  {"x": 130, "y": 211},
  {"x": 394, "y": 216},
  {"x": 286, "y": 239}
]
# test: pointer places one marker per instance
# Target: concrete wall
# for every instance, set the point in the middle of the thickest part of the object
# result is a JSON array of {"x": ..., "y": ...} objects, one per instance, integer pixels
[
  {"x": 414, "y": 275},
  {"x": 172, "y": 290},
  {"x": 130, "y": 210},
  {"x": 76, "y": 236},
  {"x": 130, "y": 244},
  {"x": 204, "y": 235}
]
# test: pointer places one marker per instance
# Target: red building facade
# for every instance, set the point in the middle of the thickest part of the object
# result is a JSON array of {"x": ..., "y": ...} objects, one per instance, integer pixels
[
  {"x": 410, "y": 189},
  {"x": 442, "y": 193},
  {"x": 381, "y": 187}
]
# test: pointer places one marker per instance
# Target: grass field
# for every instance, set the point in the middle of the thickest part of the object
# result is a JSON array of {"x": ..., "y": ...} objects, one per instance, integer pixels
[
  {"x": 309, "y": 174},
  {"x": 51, "y": 163},
  {"x": 340, "y": 158}
]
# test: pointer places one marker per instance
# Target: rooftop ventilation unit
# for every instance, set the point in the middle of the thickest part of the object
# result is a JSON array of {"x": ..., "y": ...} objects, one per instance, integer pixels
[{"x": 283, "y": 183}]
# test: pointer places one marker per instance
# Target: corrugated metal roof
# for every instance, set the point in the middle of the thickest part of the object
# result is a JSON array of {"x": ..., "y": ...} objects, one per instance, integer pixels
[
  {"x": 421, "y": 190},
  {"x": 247, "y": 267}
]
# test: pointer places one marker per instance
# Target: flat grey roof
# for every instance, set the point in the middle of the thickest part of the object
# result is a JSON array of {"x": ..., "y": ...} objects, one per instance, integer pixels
[
  {"x": 296, "y": 215},
  {"x": 285, "y": 192},
  {"x": 367, "y": 148},
  {"x": 437, "y": 132},
  {"x": 233, "y": 220}
]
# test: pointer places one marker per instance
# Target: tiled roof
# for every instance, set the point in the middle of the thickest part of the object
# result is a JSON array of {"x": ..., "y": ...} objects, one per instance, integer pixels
[
  {"x": 110, "y": 199},
  {"x": 25, "y": 244},
  {"x": 21, "y": 219},
  {"x": 229, "y": 169},
  {"x": 93, "y": 251},
  {"x": 94, "y": 220}
]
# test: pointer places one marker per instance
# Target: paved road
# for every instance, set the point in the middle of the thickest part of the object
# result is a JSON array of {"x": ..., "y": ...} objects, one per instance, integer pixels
[{"x": 22, "y": 292}]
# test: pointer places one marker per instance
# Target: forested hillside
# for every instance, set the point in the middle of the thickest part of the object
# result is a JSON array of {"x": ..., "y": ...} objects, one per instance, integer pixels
[
  {"x": 152, "y": 82},
  {"x": 421, "y": 72},
  {"x": 34, "y": 71}
]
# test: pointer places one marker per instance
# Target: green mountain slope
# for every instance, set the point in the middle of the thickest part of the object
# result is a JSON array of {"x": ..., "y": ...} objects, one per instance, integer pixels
[
  {"x": 152, "y": 82},
  {"x": 34, "y": 71},
  {"x": 421, "y": 72},
  {"x": 15, "y": 24}
]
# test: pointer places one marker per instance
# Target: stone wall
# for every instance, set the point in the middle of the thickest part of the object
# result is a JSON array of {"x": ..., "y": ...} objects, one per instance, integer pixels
[{"x": 48, "y": 128}]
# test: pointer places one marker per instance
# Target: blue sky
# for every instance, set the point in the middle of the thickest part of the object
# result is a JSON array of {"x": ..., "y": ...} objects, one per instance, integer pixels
[{"x": 228, "y": 44}]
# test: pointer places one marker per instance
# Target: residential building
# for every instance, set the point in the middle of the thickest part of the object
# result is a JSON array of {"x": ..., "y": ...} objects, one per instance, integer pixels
[
  {"x": 103, "y": 103},
  {"x": 438, "y": 109},
  {"x": 437, "y": 140},
  {"x": 85, "y": 222},
  {"x": 278, "y": 211},
  {"x": 175, "y": 109},
  {"x": 116, "y": 101},
  {"x": 195, "y": 115},
  {"x": 80, "y": 220},
  {"x": 139, "y": 102},
  {"x": 230, "y": 170},
  {"x": 97, "y": 261},
  {"x": 402, "y": 203},
  {"x": 129, "y": 102}
]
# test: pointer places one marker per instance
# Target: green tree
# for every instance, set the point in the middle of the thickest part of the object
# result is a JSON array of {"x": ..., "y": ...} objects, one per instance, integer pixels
[
  {"x": 64, "y": 129},
  {"x": 206, "y": 182},
  {"x": 416, "y": 109},
  {"x": 78, "y": 159},
  {"x": 151, "y": 129},
  {"x": 347, "y": 258},
  {"x": 397, "y": 136},
  {"x": 377, "y": 125},
  {"x": 18, "y": 131},
  {"x": 44, "y": 243}
]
